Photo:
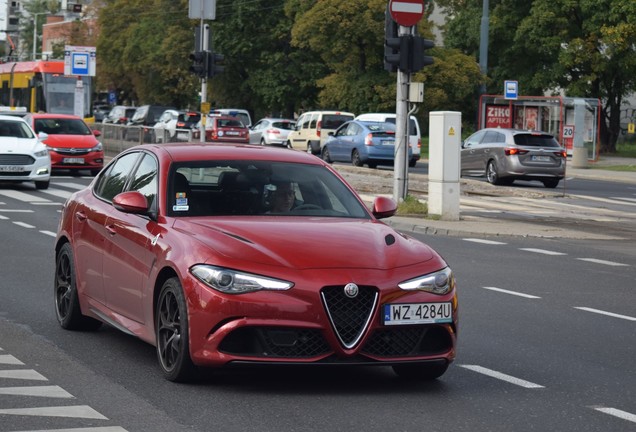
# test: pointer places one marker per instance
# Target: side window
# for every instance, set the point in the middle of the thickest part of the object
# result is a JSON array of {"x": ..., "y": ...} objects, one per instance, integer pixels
[
  {"x": 313, "y": 121},
  {"x": 301, "y": 122},
  {"x": 501, "y": 137},
  {"x": 491, "y": 137},
  {"x": 112, "y": 181},
  {"x": 475, "y": 138},
  {"x": 145, "y": 180}
]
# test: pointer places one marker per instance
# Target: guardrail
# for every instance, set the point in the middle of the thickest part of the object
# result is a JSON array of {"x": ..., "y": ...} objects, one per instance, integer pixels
[{"x": 117, "y": 138}]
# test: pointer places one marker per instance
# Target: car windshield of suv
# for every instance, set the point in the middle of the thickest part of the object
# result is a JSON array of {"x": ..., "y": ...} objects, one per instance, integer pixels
[
  {"x": 259, "y": 188},
  {"x": 16, "y": 129},
  {"x": 62, "y": 126},
  {"x": 536, "y": 140}
]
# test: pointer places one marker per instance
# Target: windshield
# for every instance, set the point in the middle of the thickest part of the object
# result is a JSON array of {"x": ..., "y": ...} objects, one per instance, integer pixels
[
  {"x": 62, "y": 126},
  {"x": 258, "y": 188},
  {"x": 16, "y": 129}
]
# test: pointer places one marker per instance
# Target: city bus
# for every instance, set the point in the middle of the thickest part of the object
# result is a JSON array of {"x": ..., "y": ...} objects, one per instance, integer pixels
[{"x": 41, "y": 86}]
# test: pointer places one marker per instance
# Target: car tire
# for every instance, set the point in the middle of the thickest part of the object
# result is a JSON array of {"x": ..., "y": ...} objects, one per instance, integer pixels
[
  {"x": 42, "y": 184},
  {"x": 492, "y": 173},
  {"x": 263, "y": 143},
  {"x": 67, "y": 307},
  {"x": 173, "y": 346},
  {"x": 325, "y": 155},
  {"x": 420, "y": 372},
  {"x": 355, "y": 158},
  {"x": 289, "y": 144},
  {"x": 551, "y": 183}
]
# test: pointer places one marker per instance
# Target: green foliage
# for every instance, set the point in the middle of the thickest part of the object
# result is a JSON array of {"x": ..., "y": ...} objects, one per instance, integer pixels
[{"x": 412, "y": 206}]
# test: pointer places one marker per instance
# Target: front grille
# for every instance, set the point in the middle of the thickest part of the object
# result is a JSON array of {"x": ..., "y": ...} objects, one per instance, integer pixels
[
  {"x": 15, "y": 174},
  {"x": 275, "y": 342},
  {"x": 72, "y": 152},
  {"x": 349, "y": 316},
  {"x": 16, "y": 159},
  {"x": 408, "y": 341}
]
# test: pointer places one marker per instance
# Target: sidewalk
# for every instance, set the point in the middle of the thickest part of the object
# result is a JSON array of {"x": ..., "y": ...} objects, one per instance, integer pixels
[{"x": 556, "y": 226}]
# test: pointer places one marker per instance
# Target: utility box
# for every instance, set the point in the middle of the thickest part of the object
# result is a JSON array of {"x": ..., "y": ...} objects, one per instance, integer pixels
[{"x": 445, "y": 132}]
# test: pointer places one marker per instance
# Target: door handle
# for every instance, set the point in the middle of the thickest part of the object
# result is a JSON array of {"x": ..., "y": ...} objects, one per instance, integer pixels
[
  {"x": 80, "y": 216},
  {"x": 111, "y": 229}
]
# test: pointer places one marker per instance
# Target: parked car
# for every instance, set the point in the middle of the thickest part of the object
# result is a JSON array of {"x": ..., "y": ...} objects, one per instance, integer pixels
[
  {"x": 362, "y": 142},
  {"x": 175, "y": 125},
  {"x": 72, "y": 144},
  {"x": 271, "y": 131},
  {"x": 23, "y": 156},
  {"x": 194, "y": 263},
  {"x": 143, "y": 120},
  {"x": 221, "y": 128},
  {"x": 242, "y": 114},
  {"x": 100, "y": 111},
  {"x": 415, "y": 136},
  {"x": 119, "y": 114},
  {"x": 313, "y": 127},
  {"x": 506, "y": 155}
]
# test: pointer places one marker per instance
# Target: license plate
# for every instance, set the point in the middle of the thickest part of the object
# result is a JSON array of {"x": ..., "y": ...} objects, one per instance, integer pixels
[
  {"x": 418, "y": 313},
  {"x": 388, "y": 142},
  {"x": 11, "y": 168},
  {"x": 541, "y": 158},
  {"x": 73, "y": 160},
  {"x": 232, "y": 133}
]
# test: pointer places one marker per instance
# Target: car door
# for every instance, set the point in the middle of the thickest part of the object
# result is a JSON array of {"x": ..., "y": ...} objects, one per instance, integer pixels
[
  {"x": 127, "y": 258},
  {"x": 469, "y": 153},
  {"x": 89, "y": 227},
  {"x": 487, "y": 150},
  {"x": 339, "y": 143},
  {"x": 256, "y": 131}
]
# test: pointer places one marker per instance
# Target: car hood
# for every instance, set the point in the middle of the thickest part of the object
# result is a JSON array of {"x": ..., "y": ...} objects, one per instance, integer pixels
[
  {"x": 308, "y": 243},
  {"x": 71, "y": 141},
  {"x": 19, "y": 145}
]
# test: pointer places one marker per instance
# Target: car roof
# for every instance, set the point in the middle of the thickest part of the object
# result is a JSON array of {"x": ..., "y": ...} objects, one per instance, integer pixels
[
  {"x": 57, "y": 116},
  {"x": 12, "y": 118},
  {"x": 181, "y": 152}
]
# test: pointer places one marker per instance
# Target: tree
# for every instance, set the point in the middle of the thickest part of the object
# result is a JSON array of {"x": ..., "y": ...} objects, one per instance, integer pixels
[
  {"x": 584, "y": 48},
  {"x": 36, "y": 10}
]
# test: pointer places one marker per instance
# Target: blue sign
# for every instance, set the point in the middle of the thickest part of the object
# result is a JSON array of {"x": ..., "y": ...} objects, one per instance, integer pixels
[
  {"x": 80, "y": 63},
  {"x": 112, "y": 97},
  {"x": 511, "y": 89}
]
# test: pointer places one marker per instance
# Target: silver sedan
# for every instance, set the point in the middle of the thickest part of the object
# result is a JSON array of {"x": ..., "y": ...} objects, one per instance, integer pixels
[{"x": 271, "y": 131}]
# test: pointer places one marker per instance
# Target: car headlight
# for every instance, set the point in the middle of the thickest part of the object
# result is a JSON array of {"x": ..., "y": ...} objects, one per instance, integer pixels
[
  {"x": 98, "y": 147},
  {"x": 440, "y": 282},
  {"x": 234, "y": 282},
  {"x": 41, "y": 153}
]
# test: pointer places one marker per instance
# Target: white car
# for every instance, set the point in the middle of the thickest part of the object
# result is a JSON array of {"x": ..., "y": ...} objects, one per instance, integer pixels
[
  {"x": 23, "y": 155},
  {"x": 271, "y": 131},
  {"x": 175, "y": 125}
]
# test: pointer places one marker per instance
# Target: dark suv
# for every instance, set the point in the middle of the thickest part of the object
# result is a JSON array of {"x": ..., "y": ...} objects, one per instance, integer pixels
[{"x": 143, "y": 120}]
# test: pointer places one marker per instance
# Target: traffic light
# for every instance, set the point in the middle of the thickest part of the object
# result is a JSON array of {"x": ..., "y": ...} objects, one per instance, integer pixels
[
  {"x": 391, "y": 43},
  {"x": 419, "y": 46},
  {"x": 215, "y": 64},
  {"x": 199, "y": 63}
]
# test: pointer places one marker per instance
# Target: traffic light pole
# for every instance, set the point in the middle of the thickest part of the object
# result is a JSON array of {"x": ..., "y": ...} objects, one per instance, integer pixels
[
  {"x": 205, "y": 31},
  {"x": 400, "y": 173}
]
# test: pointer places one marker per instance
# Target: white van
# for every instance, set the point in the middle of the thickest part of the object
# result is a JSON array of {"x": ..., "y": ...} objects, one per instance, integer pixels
[
  {"x": 415, "y": 137},
  {"x": 313, "y": 127}
]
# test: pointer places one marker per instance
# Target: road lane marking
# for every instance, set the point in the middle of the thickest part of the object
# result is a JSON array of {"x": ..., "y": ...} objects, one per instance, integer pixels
[
  {"x": 52, "y": 391},
  {"x": 542, "y": 251},
  {"x": 501, "y": 376},
  {"x": 617, "y": 413},
  {"x": 482, "y": 241},
  {"x": 21, "y": 196},
  {"x": 23, "y": 225},
  {"x": 77, "y": 411},
  {"x": 511, "y": 292},
  {"x": 9, "y": 359},
  {"x": 601, "y": 312},
  {"x": 3, "y": 217},
  {"x": 48, "y": 233},
  {"x": 89, "y": 429},
  {"x": 15, "y": 211},
  {"x": 598, "y": 261},
  {"x": 60, "y": 193},
  {"x": 23, "y": 374},
  {"x": 76, "y": 186}
]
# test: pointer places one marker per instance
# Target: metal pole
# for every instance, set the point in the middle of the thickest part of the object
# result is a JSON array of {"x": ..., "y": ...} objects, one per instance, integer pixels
[
  {"x": 401, "y": 119},
  {"x": 483, "y": 43},
  {"x": 205, "y": 30},
  {"x": 35, "y": 34}
]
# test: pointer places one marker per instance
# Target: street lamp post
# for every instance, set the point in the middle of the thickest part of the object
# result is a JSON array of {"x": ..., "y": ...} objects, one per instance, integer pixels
[{"x": 35, "y": 32}]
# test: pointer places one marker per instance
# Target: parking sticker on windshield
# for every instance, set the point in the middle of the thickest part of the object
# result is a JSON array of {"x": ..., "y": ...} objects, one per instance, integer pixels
[{"x": 181, "y": 202}]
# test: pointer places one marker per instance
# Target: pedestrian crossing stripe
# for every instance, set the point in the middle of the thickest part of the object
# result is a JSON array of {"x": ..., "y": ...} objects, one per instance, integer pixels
[
  {"x": 24, "y": 374},
  {"x": 9, "y": 359},
  {"x": 77, "y": 411},
  {"x": 51, "y": 391}
]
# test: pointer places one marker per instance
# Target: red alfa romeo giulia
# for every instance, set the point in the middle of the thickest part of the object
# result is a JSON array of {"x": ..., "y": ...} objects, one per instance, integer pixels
[{"x": 229, "y": 254}]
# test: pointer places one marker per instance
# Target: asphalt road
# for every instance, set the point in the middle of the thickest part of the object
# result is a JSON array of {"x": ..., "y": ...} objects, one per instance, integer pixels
[{"x": 547, "y": 341}]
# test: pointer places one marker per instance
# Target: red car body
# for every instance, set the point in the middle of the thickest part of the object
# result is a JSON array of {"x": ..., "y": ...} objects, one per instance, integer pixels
[
  {"x": 72, "y": 144},
  {"x": 141, "y": 258}
]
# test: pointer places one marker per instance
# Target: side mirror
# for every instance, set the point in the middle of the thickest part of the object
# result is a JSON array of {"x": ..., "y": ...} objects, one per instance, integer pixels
[
  {"x": 131, "y": 202},
  {"x": 383, "y": 207},
  {"x": 42, "y": 136},
  {"x": 97, "y": 133}
]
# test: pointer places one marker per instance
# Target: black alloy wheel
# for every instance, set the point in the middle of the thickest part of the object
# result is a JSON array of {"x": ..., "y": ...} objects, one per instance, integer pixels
[
  {"x": 173, "y": 347},
  {"x": 355, "y": 158},
  {"x": 67, "y": 308}
]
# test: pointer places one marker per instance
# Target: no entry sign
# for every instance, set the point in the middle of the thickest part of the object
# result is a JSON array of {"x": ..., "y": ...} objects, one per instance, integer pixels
[{"x": 406, "y": 13}]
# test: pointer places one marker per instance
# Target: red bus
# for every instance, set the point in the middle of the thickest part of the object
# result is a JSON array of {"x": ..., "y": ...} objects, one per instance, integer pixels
[{"x": 41, "y": 86}]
